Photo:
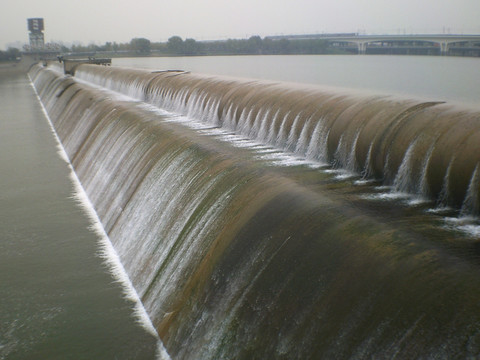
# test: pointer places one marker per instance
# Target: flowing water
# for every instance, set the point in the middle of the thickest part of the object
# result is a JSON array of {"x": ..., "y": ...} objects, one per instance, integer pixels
[
  {"x": 59, "y": 296},
  {"x": 259, "y": 220}
]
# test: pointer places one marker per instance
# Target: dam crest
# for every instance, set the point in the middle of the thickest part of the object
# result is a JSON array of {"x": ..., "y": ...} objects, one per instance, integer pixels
[
  {"x": 235, "y": 257},
  {"x": 365, "y": 135}
]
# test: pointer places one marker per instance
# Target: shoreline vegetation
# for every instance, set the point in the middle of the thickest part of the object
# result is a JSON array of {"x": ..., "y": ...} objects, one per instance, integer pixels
[
  {"x": 10, "y": 60},
  {"x": 176, "y": 46},
  {"x": 255, "y": 45},
  {"x": 10, "y": 56}
]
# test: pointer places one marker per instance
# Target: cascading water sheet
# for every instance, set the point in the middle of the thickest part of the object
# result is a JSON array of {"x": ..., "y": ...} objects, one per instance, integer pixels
[
  {"x": 380, "y": 127},
  {"x": 235, "y": 255}
]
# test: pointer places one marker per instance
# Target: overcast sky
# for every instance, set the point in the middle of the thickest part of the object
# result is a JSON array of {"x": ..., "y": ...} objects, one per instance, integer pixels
[{"x": 98, "y": 21}]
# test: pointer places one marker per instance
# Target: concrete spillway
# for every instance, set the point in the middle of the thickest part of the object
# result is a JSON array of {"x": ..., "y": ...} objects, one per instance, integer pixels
[{"x": 235, "y": 259}]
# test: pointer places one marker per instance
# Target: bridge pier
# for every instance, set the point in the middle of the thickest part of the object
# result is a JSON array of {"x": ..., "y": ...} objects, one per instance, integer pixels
[
  {"x": 362, "y": 48},
  {"x": 444, "y": 48}
]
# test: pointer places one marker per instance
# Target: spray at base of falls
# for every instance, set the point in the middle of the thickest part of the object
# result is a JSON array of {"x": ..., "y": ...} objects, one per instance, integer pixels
[{"x": 232, "y": 260}]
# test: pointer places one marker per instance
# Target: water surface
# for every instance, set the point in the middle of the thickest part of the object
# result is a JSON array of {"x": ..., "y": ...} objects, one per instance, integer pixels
[
  {"x": 58, "y": 299},
  {"x": 433, "y": 77}
]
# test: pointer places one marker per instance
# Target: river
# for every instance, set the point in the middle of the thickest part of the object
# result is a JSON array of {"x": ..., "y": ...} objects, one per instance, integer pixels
[
  {"x": 59, "y": 295},
  {"x": 250, "y": 227},
  {"x": 431, "y": 77}
]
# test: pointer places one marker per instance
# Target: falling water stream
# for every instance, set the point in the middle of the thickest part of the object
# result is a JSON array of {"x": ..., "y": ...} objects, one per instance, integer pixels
[{"x": 259, "y": 219}]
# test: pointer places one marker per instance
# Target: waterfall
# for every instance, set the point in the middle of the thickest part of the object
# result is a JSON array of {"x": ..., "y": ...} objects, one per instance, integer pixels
[
  {"x": 471, "y": 203},
  {"x": 317, "y": 148},
  {"x": 443, "y": 198},
  {"x": 234, "y": 259},
  {"x": 287, "y": 118},
  {"x": 367, "y": 169},
  {"x": 403, "y": 180},
  {"x": 423, "y": 188}
]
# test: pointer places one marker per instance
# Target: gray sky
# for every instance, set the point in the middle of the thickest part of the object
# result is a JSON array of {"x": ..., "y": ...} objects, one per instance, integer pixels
[{"x": 98, "y": 21}]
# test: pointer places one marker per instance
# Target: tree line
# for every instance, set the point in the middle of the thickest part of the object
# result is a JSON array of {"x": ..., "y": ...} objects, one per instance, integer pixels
[
  {"x": 175, "y": 46},
  {"x": 11, "y": 54},
  {"x": 255, "y": 45}
]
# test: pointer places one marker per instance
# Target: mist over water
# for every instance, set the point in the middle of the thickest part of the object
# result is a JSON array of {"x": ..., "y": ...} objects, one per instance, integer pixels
[{"x": 267, "y": 220}]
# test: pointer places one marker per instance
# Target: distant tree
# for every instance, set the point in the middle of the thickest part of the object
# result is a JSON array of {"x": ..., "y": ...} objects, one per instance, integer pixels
[
  {"x": 254, "y": 45},
  {"x": 64, "y": 49},
  {"x": 175, "y": 45},
  {"x": 269, "y": 46},
  {"x": 140, "y": 45},
  {"x": 80, "y": 48},
  {"x": 124, "y": 47},
  {"x": 11, "y": 54},
  {"x": 160, "y": 48},
  {"x": 311, "y": 46},
  {"x": 93, "y": 47},
  {"x": 284, "y": 46},
  {"x": 191, "y": 47}
]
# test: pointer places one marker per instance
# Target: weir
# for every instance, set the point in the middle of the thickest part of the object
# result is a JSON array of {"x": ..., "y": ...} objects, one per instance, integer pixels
[
  {"x": 279, "y": 115},
  {"x": 235, "y": 258}
]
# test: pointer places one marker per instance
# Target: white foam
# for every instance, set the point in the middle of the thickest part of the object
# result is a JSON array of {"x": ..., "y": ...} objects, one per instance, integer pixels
[
  {"x": 466, "y": 224},
  {"x": 440, "y": 210},
  {"x": 278, "y": 157},
  {"x": 418, "y": 200},
  {"x": 471, "y": 230},
  {"x": 362, "y": 182},
  {"x": 107, "y": 252},
  {"x": 344, "y": 175},
  {"x": 388, "y": 196}
]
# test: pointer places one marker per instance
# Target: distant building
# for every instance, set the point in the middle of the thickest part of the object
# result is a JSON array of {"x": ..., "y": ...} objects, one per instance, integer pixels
[
  {"x": 37, "y": 50},
  {"x": 35, "y": 28}
]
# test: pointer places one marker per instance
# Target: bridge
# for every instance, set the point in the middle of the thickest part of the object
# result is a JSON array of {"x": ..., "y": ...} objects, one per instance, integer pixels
[
  {"x": 70, "y": 65},
  {"x": 436, "y": 43}
]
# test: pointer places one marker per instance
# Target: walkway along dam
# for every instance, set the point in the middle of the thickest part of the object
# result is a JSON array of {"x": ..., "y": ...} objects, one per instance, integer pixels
[{"x": 262, "y": 220}]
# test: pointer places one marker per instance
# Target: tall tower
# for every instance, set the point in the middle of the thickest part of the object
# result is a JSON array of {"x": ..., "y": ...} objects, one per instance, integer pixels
[{"x": 35, "y": 27}]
